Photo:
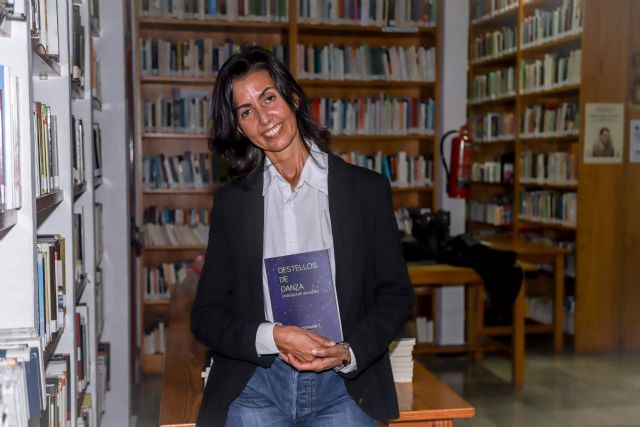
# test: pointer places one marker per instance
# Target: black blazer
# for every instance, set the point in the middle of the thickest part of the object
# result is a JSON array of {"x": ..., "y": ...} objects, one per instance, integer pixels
[{"x": 372, "y": 284}]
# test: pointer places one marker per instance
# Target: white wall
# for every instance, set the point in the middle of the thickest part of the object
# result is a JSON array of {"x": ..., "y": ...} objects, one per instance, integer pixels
[
  {"x": 113, "y": 193},
  {"x": 455, "y": 36}
]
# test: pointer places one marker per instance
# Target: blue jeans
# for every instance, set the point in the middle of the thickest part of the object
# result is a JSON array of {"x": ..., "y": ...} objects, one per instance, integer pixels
[{"x": 281, "y": 396}]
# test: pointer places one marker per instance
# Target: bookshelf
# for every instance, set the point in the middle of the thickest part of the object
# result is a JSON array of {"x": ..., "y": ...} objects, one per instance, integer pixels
[
  {"x": 291, "y": 32},
  {"x": 49, "y": 296},
  {"x": 548, "y": 164}
]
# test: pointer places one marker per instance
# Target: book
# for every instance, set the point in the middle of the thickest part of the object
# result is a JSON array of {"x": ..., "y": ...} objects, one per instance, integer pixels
[
  {"x": 302, "y": 292},
  {"x": 401, "y": 358}
]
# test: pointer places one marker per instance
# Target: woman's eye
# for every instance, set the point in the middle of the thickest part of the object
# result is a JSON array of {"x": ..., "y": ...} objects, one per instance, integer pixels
[
  {"x": 244, "y": 114},
  {"x": 271, "y": 98}
]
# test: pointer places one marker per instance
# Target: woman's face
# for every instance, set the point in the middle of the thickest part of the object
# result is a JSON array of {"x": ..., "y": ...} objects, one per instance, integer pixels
[{"x": 263, "y": 115}]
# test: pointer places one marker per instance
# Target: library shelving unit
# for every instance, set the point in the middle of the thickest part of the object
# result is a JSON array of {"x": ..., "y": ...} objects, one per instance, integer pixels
[
  {"x": 48, "y": 51},
  {"x": 558, "y": 45},
  {"x": 408, "y": 97}
]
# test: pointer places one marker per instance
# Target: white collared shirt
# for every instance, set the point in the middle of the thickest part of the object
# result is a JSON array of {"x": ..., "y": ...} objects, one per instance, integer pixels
[{"x": 295, "y": 221}]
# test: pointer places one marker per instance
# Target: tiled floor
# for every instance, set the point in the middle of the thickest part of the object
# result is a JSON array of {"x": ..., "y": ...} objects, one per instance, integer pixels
[{"x": 560, "y": 390}]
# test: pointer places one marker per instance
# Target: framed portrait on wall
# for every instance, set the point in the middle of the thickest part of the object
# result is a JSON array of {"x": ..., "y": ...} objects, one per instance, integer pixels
[{"x": 603, "y": 133}]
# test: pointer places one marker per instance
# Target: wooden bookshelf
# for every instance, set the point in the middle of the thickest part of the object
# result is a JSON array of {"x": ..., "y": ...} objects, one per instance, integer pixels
[
  {"x": 48, "y": 201},
  {"x": 288, "y": 34}
]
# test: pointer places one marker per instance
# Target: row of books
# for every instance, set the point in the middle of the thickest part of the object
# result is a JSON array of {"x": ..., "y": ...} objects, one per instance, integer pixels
[
  {"x": 10, "y": 187},
  {"x": 550, "y": 207},
  {"x": 77, "y": 145},
  {"x": 402, "y": 170},
  {"x": 375, "y": 115},
  {"x": 551, "y": 72},
  {"x": 45, "y": 131},
  {"x": 82, "y": 345},
  {"x": 425, "y": 332},
  {"x": 155, "y": 340},
  {"x": 495, "y": 211},
  {"x": 493, "y": 85},
  {"x": 191, "y": 58},
  {"x": 44, "y": 26},
  {"x": 569, "y": 244},
  {"x": 541, "y": 310},
  {"x": 77, "y": 227},
  {"x": 96, "y": 74},
  {"x": 493, "y": 44},
  {"x": 493, "y": 171},
  {"x": 548, "y": 24},
  {"x": 364, "y": 62},
  {"x": 558, "y": 167},
  {"x": 175, "y": 227},
  {"x": 493, "y": 126},
  {"x": 188, "y": 170},
  {"x": 192, "y": 216},
  {"x": 229, "y": 10},
  {"x": 550, "y": 119},
  {"x": 158, "y": 280},
  {"x": 51, "y": 286},
  {"x": 483, "y": 9},
  {"x": 78, "y": 42},
  {"x": 185, "y": 112},
  {"x": 401, "y": 358},
  {"x": 420, "y": 13}
]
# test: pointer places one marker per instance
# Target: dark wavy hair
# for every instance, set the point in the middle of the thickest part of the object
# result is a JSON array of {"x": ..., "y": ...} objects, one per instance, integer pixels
[{"x": 241, "y": 155}]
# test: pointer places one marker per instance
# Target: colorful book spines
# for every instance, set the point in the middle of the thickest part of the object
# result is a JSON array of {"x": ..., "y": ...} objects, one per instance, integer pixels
[
  {"x": 402, "y": 170},
  {"x": 230, "y": 10}
]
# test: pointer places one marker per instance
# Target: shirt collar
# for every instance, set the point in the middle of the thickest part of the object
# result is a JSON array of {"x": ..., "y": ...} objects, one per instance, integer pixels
[{"x": 314, "y": 173}]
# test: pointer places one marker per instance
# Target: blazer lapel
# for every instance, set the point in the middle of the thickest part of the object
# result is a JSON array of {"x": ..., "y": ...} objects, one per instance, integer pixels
[
  {"x": 253, "y": 222},
  {"x": 341, "y": 208}
]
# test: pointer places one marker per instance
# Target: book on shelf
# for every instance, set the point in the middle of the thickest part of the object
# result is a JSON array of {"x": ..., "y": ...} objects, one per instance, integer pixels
[
  {"x": 175, "y": 227},
  {"x": 556, "y": 167},
  {"x": 487, "y": 8},
  {"x": 96, "y": 75},
  {"x": 403, "y": 170},
  {"x": 78, "y": 243},
  {"x": 21, "y": 381},
  {"x": 493, "y": 85},
  {"x": 498, "y": 170},
  {"x": 395, "y": 63},
  {"x": 550, "y": 119},
  {"x": 78, "y": 171},
  {"x": 303, "y": 294},
  {"x": 553, "y": 71},
  {"x": 544, "y": 25},
  {"x": 57, "y": 408},
  {"x": 496, "y": 210},
  {"x": 184, "y": 171},
  {"x": 401, "y": 358},
  {"x": 160, "y": 279},
  {"x": 44, "y": 26},
  {"x": 45, "y": 132},
  {"x": 227, "y": 10},
  {"x": 549, "y": 207},
  {"x": 376, "y": 13},
  {"x": 10, "y": 182},
  {"x": 493, "y": 44},
  {"x": 185, "y": 112},
  {"x": 197, "y": 57},
  {"x": 82, "y": 345},
  {"x": 155, "y": 338},
  {"x": 376, "y": 115},
  {"x": 96, "y": 138},
  {"x": 98, "y": 231},
  {"x": 424, "y": 330},
  {"x": 493, "y": 126},
  {"x": 51, "y": 285}
]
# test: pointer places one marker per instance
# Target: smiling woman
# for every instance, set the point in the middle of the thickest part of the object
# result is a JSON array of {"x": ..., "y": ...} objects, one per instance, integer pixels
[{"x": 290, "y": 201}]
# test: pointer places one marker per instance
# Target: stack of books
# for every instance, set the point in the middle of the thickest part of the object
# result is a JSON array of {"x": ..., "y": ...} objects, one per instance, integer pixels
[{"x": 401, "y": 356}]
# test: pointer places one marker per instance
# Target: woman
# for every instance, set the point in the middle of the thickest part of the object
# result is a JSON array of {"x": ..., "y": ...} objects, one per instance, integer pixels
[{"x": 290, "y": 196}]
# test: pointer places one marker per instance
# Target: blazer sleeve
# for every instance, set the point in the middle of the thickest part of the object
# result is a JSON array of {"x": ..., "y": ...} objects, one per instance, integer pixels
[
  {"x": 393, "y": 293},
  {"x": 213, "y": 321}
]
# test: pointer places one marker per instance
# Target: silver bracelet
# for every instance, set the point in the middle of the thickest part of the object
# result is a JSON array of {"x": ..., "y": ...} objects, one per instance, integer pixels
[{"x": 345, "y": 361}]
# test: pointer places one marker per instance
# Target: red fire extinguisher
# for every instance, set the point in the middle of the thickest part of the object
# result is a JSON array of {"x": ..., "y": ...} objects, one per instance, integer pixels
[{"x": 459, "y": 175}]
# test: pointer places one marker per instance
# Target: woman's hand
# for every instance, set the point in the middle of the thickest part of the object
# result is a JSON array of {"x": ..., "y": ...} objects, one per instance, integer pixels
[
  {"x": 299, "y": 343},
  {"x": 326, "y": 358}
]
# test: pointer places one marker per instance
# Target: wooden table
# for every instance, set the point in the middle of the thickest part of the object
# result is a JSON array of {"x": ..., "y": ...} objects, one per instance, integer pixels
[
  {"x": 536, "y": 253},
  {"x": 426, "y": 402},
  {"x": 438, "y": 275}
]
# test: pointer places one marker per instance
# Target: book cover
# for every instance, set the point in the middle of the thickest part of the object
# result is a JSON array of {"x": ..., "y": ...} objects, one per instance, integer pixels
[{"x": 302, "y": 292}]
